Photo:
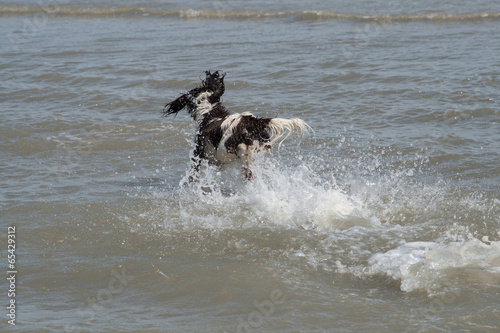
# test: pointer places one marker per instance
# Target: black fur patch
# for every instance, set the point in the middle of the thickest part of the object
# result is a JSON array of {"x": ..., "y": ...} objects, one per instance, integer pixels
[{"x": 248, "y": 130}]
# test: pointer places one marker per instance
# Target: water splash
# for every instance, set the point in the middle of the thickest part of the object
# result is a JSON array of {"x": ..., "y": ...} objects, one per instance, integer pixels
[
  {"x": 279, "y": 195},
  {"x": 370, "y": 215}
]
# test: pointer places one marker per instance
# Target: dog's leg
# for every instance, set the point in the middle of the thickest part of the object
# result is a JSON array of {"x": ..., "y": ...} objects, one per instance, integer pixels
[
  {"x": 243, "y": 153},
  {"x": 198, "y": 156}
]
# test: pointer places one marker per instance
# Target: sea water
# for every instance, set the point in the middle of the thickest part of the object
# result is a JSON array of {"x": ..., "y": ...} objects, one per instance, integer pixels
[{"x": 385, "y": 219}]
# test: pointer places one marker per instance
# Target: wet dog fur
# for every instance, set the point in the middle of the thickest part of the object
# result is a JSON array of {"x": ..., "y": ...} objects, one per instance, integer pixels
[{"x": 223, "y": 137}]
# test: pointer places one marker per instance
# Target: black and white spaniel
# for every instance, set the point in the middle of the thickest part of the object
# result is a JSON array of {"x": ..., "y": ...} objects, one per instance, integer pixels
[{"x": 223, "y": 137}]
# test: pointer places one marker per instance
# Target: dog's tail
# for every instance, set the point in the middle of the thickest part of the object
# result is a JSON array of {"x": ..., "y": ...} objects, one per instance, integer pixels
[{"x": 281, "y": 129}]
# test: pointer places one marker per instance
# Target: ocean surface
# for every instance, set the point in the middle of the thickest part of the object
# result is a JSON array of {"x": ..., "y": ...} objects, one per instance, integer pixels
[{"x": 385, "y": 219}]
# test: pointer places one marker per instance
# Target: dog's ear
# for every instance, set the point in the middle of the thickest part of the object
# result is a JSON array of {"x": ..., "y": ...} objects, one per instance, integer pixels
[{"x": 215, "y": 75}]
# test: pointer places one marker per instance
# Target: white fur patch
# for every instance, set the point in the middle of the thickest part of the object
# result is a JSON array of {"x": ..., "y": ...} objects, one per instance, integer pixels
[
  {"x": 228, "y": 126},
  {"x": 203, "y": 106}
]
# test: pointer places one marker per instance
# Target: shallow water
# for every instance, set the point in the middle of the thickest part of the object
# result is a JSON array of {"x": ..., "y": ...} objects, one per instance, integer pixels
[{"x": 385, "y": 219}]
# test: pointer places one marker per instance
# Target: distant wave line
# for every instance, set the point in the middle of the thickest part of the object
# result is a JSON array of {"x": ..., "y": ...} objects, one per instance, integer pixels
[{"x": 6, "y": 11}]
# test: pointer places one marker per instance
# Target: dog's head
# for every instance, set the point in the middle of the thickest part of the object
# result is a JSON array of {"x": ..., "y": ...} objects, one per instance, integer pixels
[{"x": 214, "y": 82}]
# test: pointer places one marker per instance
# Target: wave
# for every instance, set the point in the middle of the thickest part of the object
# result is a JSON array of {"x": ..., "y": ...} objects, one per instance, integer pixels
[
  {"x": 432, "y": 265},
  {"x": 134, "y": 11}
]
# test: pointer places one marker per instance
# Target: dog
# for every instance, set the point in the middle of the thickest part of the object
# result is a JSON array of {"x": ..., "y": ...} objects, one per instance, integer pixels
[{"x": 222, "y": 137}]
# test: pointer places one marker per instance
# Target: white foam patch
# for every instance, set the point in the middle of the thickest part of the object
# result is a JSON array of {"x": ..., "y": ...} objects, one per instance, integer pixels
[{"x": 431, "y": 265}]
